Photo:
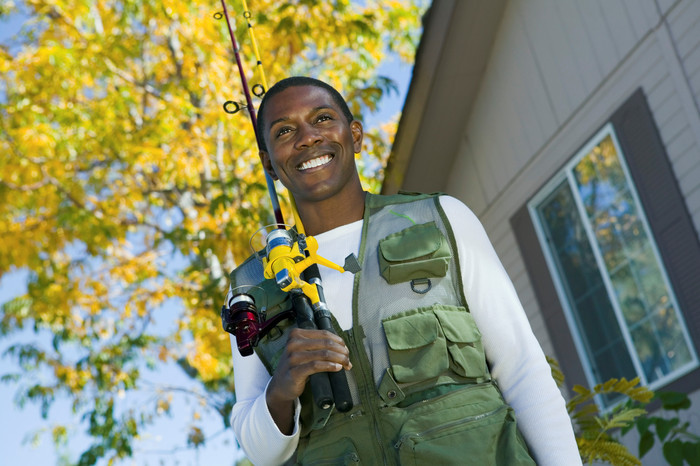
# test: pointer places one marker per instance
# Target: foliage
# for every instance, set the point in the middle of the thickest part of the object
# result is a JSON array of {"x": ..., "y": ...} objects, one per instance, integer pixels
[
  {"x": 680, "y": 446},
  {"x": 595, "y": 430},
  {"x": 126, "y": 191},
  {"x": 597, "y": 433}
]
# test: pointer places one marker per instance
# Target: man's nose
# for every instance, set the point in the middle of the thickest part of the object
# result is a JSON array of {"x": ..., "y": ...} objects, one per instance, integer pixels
[{"x": 307, "y": 136}]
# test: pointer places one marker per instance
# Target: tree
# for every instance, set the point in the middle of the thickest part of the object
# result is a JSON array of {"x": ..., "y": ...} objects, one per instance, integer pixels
[{"x": 125, "y": 186}]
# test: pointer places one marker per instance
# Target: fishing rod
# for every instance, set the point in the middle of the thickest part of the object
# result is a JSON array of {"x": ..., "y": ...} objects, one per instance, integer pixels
[
  {"x": 251, "y": 108},
  {"x": 290, "y": 259}
]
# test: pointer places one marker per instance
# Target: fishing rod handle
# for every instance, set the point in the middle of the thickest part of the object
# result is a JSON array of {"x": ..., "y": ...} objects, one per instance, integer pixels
[
  {"x": 320, "y": 383},
  {"x": 339, "y": 383},
  {"x": 322, "y": 317}
]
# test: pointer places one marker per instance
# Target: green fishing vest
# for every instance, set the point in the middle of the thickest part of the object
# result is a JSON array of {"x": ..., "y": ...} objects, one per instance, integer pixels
[{"x": 422, "y": 392}]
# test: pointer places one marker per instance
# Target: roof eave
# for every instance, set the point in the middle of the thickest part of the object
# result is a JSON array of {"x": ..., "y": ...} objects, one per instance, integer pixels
[{"x": 450, "y": 63}]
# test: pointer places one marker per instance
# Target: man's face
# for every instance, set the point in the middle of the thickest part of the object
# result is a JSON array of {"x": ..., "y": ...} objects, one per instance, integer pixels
[{"x": 310, "y": 144}]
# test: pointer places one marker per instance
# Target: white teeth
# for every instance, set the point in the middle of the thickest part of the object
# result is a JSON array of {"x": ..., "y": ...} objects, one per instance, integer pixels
[{"x": 317, "y": 162}]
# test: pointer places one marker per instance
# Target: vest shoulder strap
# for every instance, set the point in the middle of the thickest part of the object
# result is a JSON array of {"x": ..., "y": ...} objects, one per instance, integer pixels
[{"x": 378, "y": 201}]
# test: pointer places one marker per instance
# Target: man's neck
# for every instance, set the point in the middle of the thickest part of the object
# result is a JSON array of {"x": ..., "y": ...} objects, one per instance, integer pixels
[{"x": 323, "y": 216}]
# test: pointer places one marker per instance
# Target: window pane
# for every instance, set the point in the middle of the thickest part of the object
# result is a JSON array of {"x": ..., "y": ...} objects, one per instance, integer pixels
[
  {"x": 607, "y": 270},
  {"x": 599, "y": 177},
  {"x": 660, "y": 345},
  {"x": 607, "y": 230},
  {"x": 651, "y": 281},
  {"x": 609, "y": 361},
  {"x": 585, "y": 289},
  {"x": 628, "y": 258},
  {"x": 628, "y": 295},
  {"x": 672, "y": 342}
]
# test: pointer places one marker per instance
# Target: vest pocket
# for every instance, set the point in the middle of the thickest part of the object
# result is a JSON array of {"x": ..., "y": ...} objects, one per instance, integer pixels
[
  {"x": 341, "y": 452},
  {"x": 467, "y": 432},
  {"x": 424, "y": 343},
  {"x": 417, "y": 347},
  {"x": 419, "y": 251},
  {"x": 463, "y": 342}
]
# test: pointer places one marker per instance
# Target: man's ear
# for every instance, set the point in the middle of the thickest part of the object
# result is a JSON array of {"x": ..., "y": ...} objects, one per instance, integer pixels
[
  {"x": 357, "y": 134},
  {"x": 267, "y": 164}
]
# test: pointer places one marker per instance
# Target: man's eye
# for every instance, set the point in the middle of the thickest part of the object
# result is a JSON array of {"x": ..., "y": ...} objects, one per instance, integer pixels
[
  {"x": 282, "y": 131},
  {"x": 323, "y": 117}
]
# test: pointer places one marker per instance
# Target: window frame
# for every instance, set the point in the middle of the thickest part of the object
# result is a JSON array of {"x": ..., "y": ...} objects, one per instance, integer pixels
[{"x": 566, "y": 173}]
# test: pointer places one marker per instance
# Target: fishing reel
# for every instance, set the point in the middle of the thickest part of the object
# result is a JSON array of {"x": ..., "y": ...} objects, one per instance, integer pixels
[
  {"x": 241, "y": 318},
  {"x": 287, "y": 256},
  {"x": 292, "y": 260}
]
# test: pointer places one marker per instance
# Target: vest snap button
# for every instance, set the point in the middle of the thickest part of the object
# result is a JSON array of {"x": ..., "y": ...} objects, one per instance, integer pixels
[{"x": 391, "y": 394}]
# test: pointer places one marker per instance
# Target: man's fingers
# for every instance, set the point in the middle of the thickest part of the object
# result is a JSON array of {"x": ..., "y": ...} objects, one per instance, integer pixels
[
  {"x": 325, "y": 355},
  {"x": 316, "y": 339},
  {"x": 304, "y": 371},
  {"x": 305, "y": 346},
  {"x": 319, "y": 342},
  {"x": 322, "y": 348}
]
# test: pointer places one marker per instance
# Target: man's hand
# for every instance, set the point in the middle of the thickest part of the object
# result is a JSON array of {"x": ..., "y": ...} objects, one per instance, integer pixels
[{"x": 307, "y": 352}]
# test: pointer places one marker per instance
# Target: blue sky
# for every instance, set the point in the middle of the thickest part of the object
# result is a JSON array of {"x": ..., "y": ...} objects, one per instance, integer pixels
[{"x": 19, "y": 423}]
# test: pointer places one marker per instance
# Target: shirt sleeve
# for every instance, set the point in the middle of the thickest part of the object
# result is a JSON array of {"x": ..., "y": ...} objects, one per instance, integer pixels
[
  {"x": 515, "y": 357},
  {"x": 255, "y": 430}
]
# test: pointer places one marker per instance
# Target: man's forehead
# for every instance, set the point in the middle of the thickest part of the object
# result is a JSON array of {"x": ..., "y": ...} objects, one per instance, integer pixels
[{"x": 302, "y": 96}]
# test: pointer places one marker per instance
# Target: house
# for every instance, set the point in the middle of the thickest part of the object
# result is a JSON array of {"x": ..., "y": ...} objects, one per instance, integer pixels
[{"x": 572, "y": 130}]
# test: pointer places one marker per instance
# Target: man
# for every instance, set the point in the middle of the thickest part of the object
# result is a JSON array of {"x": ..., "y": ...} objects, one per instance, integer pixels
[{"x": 431, "y": 298}]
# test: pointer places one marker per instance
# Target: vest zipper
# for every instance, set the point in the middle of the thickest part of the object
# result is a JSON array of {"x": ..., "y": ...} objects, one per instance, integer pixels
[
  {"x": 365, "y": 397},
  {"x": 450, "y": 425}
]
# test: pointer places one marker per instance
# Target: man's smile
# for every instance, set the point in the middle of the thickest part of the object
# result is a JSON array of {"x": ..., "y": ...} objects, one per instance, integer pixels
[{"x": 315, "y": 162}]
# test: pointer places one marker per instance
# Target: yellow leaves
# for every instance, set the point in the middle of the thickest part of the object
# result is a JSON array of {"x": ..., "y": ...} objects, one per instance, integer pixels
[
  {"x": 629, "y": 388},
  {"x": 610, "y": 451},
  {"x": 59, "y": 434},
  {"x": 593, "y": 437},
  {"x": 208, "y": 367},
  {"x": 37, "y": 140},
  {"x": 163, "y": 406},
  {"x": 210, "y": 349},
  {"x": 163, "y": 354},
  {"x": 74, "y": 379},
  {"x": 195, "y": 437},
  {"x": 123, "y": 181}
]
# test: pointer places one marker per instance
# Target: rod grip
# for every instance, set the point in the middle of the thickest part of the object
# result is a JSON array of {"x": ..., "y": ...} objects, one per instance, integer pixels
[
  {"x": 341, "y": 391},
  {"x": 320, "y": 383},
  {"x": 322, "y": 318}
]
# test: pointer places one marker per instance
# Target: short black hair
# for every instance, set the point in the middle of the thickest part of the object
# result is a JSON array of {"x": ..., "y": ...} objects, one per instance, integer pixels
[{"x": 295, "y": 81}]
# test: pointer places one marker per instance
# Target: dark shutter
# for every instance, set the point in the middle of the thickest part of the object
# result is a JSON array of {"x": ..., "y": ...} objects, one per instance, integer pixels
[
  {"x": 670, "y": 224},
  {"x": 665, "y": 209},
  {"x": 547, "y": 298}
]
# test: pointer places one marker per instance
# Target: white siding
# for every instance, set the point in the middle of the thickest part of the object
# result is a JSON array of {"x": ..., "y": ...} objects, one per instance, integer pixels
[
  {"x": 547, "y": 61},
  {"x": 557, "y": 72},
  {"x": 473, "y": 189},
  {"x": 684, "y": 32}
]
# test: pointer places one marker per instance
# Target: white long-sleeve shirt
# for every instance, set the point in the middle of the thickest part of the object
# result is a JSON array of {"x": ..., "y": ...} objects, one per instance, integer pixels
[{"x": 514, "y": 355}]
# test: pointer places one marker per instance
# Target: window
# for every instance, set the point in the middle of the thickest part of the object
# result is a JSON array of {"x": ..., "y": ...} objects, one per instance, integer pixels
[{"x": 607, "y": 271}]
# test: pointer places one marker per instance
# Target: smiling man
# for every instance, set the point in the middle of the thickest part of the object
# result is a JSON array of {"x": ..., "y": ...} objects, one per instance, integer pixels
[
  {"x": 440, "y": 357},
  {"x": 308, "y": 140}
]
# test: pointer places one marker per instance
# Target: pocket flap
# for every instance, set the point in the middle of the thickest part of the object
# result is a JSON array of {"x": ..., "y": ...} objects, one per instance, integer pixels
[
  {"x": 412, "y": 331},
  {"x": 458, "y": 325},
  {"x": 413, "y": 242}
]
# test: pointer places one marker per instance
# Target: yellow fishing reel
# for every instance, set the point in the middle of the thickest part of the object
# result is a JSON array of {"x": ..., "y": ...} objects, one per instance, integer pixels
[{"x": 288, "y": 257}]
